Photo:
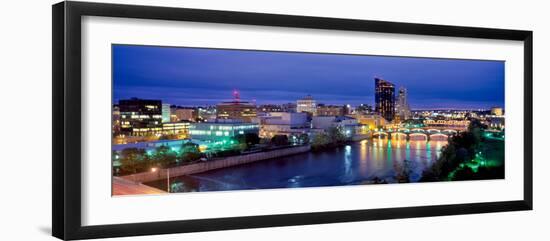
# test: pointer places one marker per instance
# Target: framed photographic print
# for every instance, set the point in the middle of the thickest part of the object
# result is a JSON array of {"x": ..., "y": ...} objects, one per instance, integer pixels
[{"x": 170, "y": 120}]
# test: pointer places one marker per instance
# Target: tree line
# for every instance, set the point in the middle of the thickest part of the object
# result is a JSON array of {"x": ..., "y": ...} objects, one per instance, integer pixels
[{"x": 461, "y": 149}]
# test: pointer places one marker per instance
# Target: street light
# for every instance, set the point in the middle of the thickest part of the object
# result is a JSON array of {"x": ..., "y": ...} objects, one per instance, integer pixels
[{"x": 154, "y": 169}]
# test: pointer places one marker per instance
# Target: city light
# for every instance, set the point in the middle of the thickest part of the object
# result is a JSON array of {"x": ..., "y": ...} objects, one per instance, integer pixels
[{"x": 343, "y": 132}]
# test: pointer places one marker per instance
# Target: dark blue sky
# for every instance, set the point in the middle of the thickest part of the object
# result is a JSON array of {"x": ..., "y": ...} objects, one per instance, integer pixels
[{"x": 195, "y": 76}]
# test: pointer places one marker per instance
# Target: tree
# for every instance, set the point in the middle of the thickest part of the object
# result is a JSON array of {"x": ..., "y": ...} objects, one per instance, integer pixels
[
  {"x": 320, "y": 141},
  {"x": 265, "y": 141},
  {"x": 164, "y": 156},
  {"x": 250, "y": 139},
  {"x": 189, "y": 147},
  {"x": 168, "y": 137},
  {"x": 336, "y": 134},
  {"x": 132, "y": 160},
  {"x": 189, "y": 152},
  {"x": 461, "y": 148},
  {"x": 303, "y": 138},
  {"x": 280, "y": 140}
]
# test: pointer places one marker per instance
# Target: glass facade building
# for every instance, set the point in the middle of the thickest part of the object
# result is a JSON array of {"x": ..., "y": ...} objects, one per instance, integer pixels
[
  {"x": 384, "y": 96},
  {"x": 217, "y": 131},
  {"x": 402, "y": 107},
  {"x": 140, "y": 117}
]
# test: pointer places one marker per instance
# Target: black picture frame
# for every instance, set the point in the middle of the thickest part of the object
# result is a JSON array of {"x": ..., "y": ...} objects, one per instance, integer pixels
[{"x": 66, "y": 75}]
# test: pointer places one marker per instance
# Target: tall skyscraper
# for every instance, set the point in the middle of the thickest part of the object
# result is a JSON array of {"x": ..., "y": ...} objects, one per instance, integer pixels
[
  {"x": 306, "y": 104},
  {"x": 384, "y": 96},
  {"x": 402, "y": 107}
]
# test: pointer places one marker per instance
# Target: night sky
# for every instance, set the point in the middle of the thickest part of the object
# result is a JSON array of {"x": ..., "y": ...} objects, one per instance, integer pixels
[{"x": 195, "y": 76}]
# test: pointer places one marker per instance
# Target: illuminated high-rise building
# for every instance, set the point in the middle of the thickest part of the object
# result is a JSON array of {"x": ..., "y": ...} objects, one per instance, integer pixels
[
  {"x": 402, "y": 108},
  {"x": 384, "y": 97}
]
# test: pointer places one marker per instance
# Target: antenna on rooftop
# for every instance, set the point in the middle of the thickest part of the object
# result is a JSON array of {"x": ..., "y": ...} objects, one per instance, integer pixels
[{"x": 236, "y": 96}]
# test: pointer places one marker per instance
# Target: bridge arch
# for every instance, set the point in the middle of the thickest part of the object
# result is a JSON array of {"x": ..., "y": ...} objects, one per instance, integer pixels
[
  {"x": 400, "y": 135},
  {"x": 403, "y": 130},
  {"x": 426, "y": 136},
  {"x": 450, "y": 131},
  {"x": 439, "y": 135},
  {"x": 379, "y": 134}
]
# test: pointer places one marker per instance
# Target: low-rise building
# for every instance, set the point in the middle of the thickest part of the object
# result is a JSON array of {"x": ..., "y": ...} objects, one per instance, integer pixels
[
  {"x": 221, "y": 130},
  {"x": 331, "y": 110},
  {"x": 236, "y": 110},
  {"x": 497, "y": 111},
  {"x": 282, "y": 123},
  {"x": 495, "y": 122},
  {"x": 306, "y": 104},
  {"x": 176, "y": 128},
  {"x": 186, "y": 114},
  {"x": 270, "y": 108},
  {"x": 372, "y": 121},
  {"x": 349, "y": 125}
]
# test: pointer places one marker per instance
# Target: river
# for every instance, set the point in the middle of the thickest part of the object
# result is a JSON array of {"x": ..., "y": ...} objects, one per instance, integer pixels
[{"x": 352, "y": 164}]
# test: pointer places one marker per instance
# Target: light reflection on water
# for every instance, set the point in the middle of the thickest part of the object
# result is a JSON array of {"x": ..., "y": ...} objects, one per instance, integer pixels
[{"x": 352, "y": 164}]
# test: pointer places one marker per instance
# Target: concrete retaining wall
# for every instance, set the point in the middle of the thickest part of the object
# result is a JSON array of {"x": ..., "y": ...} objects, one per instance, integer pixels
[{"x": 216, "y": 164}]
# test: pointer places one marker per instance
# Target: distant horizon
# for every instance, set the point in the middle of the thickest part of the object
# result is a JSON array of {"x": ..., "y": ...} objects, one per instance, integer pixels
[
  {"x": 205, "y": 77},
  {"x": 412, "y": 109}
]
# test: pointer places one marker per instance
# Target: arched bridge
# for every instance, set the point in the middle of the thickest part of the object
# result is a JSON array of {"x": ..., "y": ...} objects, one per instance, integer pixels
[{"x": 427, "y": 133}]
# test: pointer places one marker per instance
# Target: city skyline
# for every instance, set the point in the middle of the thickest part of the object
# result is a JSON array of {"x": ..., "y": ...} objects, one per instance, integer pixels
[{"x": 201, "y": 77}]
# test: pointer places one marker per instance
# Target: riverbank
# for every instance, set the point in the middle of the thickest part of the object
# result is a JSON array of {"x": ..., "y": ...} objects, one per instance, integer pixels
[
  {"x": 350, "y": 164},
  {"x": 215, "y": 164}
]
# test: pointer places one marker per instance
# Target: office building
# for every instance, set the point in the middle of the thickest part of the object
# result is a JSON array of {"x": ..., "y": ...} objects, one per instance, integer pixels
[
  {"x": 364, "y": 109},
  {"x": 115, "y": 121},
  {"x": 402, "y": 108},
  {"x": 497, "y": 111},
  {"x": 181, "y": 129},
  {"x": 270, "y": 108},
  {"x": 166, "y": 112},
  {"x": 384, "y": 96},
  {"x": 371, "y": 121},
  {"x": 186, "y": 114},
  {"x": 236, "y": 109},
  {"x": 139, "y": 117},
  {"x": 283, "y": 123},
  {"x": 220, "y": 130},
  {"x": 331, "y": 110},
  {"x": 289, "y": 107},
  {"x": 306, "y": 104},
  {"x": 347, "y": 124}
]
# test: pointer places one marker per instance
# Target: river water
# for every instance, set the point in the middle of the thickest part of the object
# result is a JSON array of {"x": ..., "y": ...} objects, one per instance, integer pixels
[{"x": 356, "y": 163}]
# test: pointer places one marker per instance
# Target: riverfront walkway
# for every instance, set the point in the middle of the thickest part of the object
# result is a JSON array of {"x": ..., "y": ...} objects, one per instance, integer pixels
[{"x": 127, "y": 187}]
